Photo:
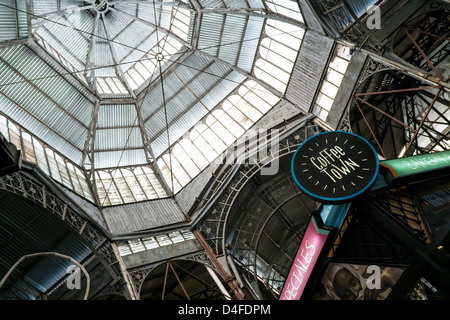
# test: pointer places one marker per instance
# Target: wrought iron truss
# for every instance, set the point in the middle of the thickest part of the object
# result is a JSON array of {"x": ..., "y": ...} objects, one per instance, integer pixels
[
  {"x": 213, "y": 225},
  {"x": 399, "y": 114},
  {"x": 79, "y": 45},
  {"x": 425, "y": 42},
  {"x": 402, "y": 207},
  {"x": 31, "y": 189},
  {"x": 402, "y": 111},
  {"x": 363, "y": 242},
  {"x": 141, "y": 275},
  {"x": 347, "y": 21}
]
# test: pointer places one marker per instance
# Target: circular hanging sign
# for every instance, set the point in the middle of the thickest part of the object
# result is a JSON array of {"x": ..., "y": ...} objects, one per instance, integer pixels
[{"x": 335, "y": 166}]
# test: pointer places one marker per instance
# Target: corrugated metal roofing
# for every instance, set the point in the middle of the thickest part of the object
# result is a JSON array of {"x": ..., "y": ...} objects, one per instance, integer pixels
[
  {"x": 119, "y": 49},
  {"x": 26, "y": 229},
  {"x": 118, "y": 115},
  {"x": 144, "y": 215},
  {"x": 308, "y": 70},
  {"x": 51, "y": 268},
  {"x": 118, "y": 139},
  {"x": 126, "y": 157},
  {"x": 48, "y": 105},
  {"x": 77, "y": 27},
  {"x": 13, "y": 22}
]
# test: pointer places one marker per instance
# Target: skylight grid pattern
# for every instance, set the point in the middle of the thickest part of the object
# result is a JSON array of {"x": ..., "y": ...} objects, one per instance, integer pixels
[
  {"x": 212, "y": 136},
  {"x": 332, "y": 81},
  {"x": 114, "y": 52},
  {"x": 287, "y": 8},
  {"x": 48, "y": 160},
  {"x": 127, "y": 185},
  {"x": 277, "y": 53},
  {"x": 149, "y": 243},
  {"x": 141, "y": 140}
]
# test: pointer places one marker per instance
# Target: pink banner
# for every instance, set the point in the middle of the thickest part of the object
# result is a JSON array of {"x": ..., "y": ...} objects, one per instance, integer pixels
[{"x": 304, "y": 262}]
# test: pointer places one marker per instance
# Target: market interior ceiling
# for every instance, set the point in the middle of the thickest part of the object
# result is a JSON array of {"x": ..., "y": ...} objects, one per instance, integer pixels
[
  {"x": 127, "y": 101},
  {"x": 139, "y": 96}
]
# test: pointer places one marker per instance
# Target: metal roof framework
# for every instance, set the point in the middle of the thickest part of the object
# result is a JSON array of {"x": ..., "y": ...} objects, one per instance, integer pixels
[{"x": 125, "y": 101}]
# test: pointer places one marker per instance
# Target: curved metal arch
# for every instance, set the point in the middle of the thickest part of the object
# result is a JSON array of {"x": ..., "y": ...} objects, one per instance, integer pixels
[
  {"x": 140, "y": 276},
  {"x": 251, "y": 172},
  {"x": 37, "y": 192},
  {"x": 417, "y": 85},
  {"x": 88, "y": 278},
  {"x": 274, "y": 211},
  {"x": 290, "y": 142}
]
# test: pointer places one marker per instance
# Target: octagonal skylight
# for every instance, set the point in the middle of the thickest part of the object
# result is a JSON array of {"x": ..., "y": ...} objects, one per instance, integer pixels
[
  {"x": 113, "y": 46},
  {"x": 126, "y": 101}
]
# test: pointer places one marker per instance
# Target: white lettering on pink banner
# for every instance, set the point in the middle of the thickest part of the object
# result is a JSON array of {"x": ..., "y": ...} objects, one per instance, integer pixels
[{"x": 304, "y": 262}]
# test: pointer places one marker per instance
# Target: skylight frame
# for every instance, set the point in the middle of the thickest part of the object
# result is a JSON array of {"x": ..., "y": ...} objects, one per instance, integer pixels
[{"x": 332, "y": 81}]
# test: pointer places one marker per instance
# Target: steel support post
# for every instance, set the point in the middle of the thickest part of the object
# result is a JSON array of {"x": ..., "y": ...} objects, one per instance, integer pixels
[
  {"x": 430, "y": 64},
  {"x": 220, "y": 269},
  {"x": 423, "y": 119}
]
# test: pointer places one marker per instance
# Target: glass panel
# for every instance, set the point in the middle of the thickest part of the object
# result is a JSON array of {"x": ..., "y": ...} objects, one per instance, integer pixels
[
  {"x": 141, "y": 177},
  {"x": 75, "y": 182},
  {"x": 194, "y": 153},
  {"x": 163, "y": 240},
  {"x": 176, "y": 237},
  {"x": 122, "y": 187},
  {"x": 183, "y": 158},
  {"x": 136, "y": 245},
  {"x": 187, "y": 234},
  {"x": 63, "y": 172},
  {"x": 339, "y": 64},
  {"x": 29, "y": 148},
  {"x": 155, "y": 182},
  {"x": 124, "y": 249},
  {"x": 150, "y": 243},
  {"x": 329, "y": 89},
  {"x": 133, "y": 184},
  {"x": 219, "y": 129},
  {"x": 324, "y": 101},
  {"x": 54, "y": 172},
  {"x": 237, "y": 115}
]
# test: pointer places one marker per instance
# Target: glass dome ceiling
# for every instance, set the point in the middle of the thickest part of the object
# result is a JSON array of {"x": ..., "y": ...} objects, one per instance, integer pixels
[
  {"x": 125, "y": 101},
  {"x": 114, "y": 46}
]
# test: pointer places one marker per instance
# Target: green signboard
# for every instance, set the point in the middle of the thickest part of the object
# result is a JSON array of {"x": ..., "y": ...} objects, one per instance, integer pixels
[{"x": 421, "y": 164}]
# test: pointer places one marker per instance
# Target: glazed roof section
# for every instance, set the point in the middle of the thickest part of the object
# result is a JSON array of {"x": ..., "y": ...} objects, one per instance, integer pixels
[{"x": 129, "y": 102}]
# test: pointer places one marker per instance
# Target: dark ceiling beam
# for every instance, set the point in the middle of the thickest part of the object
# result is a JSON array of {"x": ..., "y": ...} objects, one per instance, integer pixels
[
  {"x": 117, "y": 66},
  {"x": 66, "y": 74},
  {"x": 88, "y": 168},
  {"x": 13, "y": 42},
  {"x": 400, "y": 66},
  {"x": 89, "y": 73}
]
